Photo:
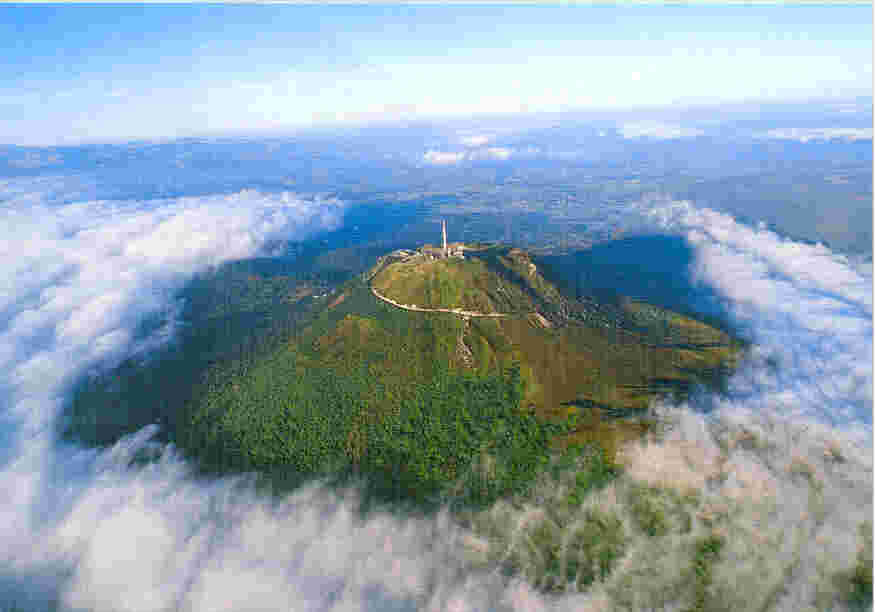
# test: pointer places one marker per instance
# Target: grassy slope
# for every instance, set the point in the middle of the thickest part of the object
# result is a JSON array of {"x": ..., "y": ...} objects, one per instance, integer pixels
[
  {"x": 489, "y": 281},
  {"x": 466, "y": 284},
  {"x": 580, "y": 355}
]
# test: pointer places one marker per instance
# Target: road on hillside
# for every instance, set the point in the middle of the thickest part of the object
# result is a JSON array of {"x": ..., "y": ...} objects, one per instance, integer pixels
[{"x": 456, "y": 311}]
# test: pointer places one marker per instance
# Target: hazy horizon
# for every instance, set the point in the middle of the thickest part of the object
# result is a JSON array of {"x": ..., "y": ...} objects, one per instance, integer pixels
[{"x": 112, "y": 74}]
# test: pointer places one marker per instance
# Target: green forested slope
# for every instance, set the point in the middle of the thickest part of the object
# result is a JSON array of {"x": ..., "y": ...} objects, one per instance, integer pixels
[
  {"x": 422, "y": 406},
  {"x": 275, "y": 373}
]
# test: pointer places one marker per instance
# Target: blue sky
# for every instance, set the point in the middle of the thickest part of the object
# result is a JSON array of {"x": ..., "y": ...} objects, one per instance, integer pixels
[{"x": 106, "y": 73}]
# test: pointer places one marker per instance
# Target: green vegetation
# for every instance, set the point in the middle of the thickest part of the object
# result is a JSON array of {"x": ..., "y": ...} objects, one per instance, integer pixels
[
  {"x": 648, "y": 511},
  {"x": 539, "y": 533},
  {"x": 233, "y": 314},
  {"x": 576, "y": 355},
  {"x": 366, "y": 396},
  {"x": 450, "y": 283},
  {"x": 555, "y": 549},
  {"x": 707, "y": 550},
  {"x": 555, "y": 558},
  {"x": 593, "y": 468},
  {"x": 861, "y": 580},
  {"x": 658, "y": 511},
  {"x": 854, "y": 586},
  {"x": 562, "y": 536},
  {"x": 278, "y": 374},
  {"x": 433, "y": 442},
  {"x": 489, "y": 280},
  {"x": 274, "y": 372},
  {"x": 597, "y": 542}
]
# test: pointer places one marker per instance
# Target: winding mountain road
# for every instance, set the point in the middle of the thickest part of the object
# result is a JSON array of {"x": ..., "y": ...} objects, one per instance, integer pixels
[{"x": 456, "y": 311}]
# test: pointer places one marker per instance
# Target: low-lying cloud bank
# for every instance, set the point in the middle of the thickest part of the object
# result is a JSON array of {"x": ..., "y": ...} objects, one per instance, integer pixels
[
  {"x": 779, "y": 469},
  {"x": 444, "y": 157},
  {"x": 78, "y": 279},
  {"x": 849, "y": 134},
  {"x": 657, "y": 130},
  {"x": 784, "y": 460},
  {"x": 808, "y": 311},
  {"x": 474, "y": 140},
  {"x": 439, "y": 158},
  {"x": 87, "y": 529}
]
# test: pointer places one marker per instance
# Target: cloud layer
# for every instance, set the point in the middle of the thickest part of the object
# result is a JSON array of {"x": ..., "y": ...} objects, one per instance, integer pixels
[
  {"x": 86, "y": 529},
  {"x": 807, "y": 310}
]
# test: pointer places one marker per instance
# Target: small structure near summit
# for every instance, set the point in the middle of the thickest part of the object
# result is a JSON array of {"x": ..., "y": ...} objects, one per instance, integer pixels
[
  {"x": 445, "y": 251},
  {"x": 454, "y": 249},
  {"x": 426, "y": 252}
]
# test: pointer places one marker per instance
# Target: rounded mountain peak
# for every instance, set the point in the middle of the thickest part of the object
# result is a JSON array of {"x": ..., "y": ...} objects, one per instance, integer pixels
[{"x": 480, "y": 281}]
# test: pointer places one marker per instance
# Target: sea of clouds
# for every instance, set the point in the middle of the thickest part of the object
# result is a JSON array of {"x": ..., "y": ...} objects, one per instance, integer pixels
[
  {"x": 808, "y": 311},
  {"x": 804, "y": 392},
  {"x": 86, "y": 529}
]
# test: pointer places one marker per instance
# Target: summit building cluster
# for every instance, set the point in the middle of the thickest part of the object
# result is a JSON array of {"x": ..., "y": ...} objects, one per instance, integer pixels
[{"x": 445, "y": 251}]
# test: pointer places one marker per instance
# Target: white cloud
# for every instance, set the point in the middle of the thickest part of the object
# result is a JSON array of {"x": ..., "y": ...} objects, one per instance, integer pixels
[
  {"x": 500, "y": 153},
  {"x": 86, "y": 528},
  {"x": 90, "y": 270},
  {"x": 483, "y": 153},
  {"x": 789, "y": 512},
  {"x": 443, "y": 157},
  {"x": 808, "y": 310},
  {"x": 783, "y": 462},
  {"x": 829, "y": 133},
  {"x": 475, "y": 140},
  {"x": 657, "y": 130},
  {"x": 801, "y": 399}
]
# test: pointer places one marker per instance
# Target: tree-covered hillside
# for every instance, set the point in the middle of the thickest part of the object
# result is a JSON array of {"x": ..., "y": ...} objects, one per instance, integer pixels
[{"x": 280, "y": 374}]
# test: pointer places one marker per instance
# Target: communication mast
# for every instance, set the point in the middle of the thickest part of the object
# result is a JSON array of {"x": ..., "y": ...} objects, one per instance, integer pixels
[{"x": 444, "y": 236}]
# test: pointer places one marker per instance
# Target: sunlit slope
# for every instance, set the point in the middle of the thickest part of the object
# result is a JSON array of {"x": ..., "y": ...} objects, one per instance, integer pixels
[
  {"x": 492, "y": 280},
  {"x": 615, "y": 368},
  {"x": 573, "y": 353}
]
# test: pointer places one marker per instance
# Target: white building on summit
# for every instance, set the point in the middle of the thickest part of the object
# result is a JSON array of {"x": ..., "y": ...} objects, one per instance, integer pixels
[
  {"x": 454, "y": 249},
  {"x": 445, "y": 251}
]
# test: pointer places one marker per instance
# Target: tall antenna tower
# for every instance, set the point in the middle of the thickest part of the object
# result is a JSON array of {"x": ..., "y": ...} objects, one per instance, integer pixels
[{"x": 444, "y": 236}]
